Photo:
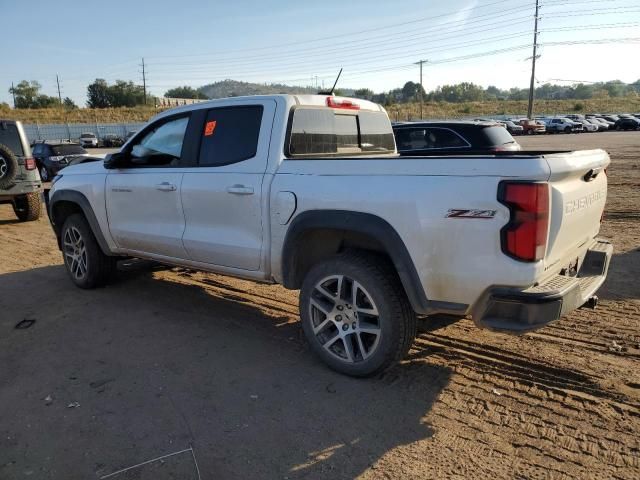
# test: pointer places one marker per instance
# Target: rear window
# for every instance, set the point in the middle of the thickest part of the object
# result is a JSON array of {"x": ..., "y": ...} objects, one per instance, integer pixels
[
  {"x": 67, "y": 150},
  {"x": 323, "y": 131},
  {"x": 498, "y": 135},
  {"x": 10, "y": 137}
]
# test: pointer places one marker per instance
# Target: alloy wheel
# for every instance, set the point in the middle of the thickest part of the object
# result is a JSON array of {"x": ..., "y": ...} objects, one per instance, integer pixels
[
  {"x": 345, "y": 319},
  {"x": 75, "y": 253},
  {"x": 4, "y": 168}
]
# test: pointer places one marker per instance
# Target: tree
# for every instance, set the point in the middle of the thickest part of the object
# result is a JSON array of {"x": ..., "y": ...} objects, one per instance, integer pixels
[
  {"x": 185, "y": 92},
  {"x": 68, "y": 103},
  {"x": 411, "y": 92},
  {"x": 364, "y": 93},
  {"x": 122, "y": 94},
  {"x": 98, "y": 94},
  {"x": 28, "y": 95}
]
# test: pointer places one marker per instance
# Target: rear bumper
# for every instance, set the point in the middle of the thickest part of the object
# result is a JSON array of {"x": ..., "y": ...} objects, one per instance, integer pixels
[{"x": 519, "y": 311}]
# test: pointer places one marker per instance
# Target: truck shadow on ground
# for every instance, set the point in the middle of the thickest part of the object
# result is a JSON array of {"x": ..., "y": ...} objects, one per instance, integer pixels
[
  {"x": 622, "y": 279},
  {"x": 154, "y": 360}
]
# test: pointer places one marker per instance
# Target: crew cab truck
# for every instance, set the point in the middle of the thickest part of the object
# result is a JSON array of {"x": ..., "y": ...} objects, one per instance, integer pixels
[{"x": 308, "y": 191}]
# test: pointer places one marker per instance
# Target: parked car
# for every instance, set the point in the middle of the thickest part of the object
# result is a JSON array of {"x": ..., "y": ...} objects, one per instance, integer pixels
[
  {"x": 562, "y": 124},
  {"x": 627, "y": 123},
  {"x": 130, "y": 134},
  {"x": 611, "y": 118},
  {"x": 532, "y": 127},
  {"x": 587, "y": 125},
  {"x": 309, "y": 192},
  {"x": 20, "y": 183},
  {"x": 602, "y": 125},
  {"x": 511, "y": 127},
  {"x": 51, "y": 157},
  {"x": 446, "y": 138},
  {"x": 609, "y": 123},
  {"x": 88, "y": 140},
  {"x": 111, "y": 141}
]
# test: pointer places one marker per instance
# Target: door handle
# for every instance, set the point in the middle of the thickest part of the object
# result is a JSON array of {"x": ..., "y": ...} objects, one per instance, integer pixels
[
  {"x": 166, "y": 187},
  {"x": 240, "y": 190}
]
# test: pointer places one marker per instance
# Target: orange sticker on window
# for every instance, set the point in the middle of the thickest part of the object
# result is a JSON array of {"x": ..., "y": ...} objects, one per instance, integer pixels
[{"x": 209, "y": 128}]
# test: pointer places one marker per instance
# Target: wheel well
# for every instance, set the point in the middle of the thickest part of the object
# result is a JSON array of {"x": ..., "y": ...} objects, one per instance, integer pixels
[
  {"x": 316, "y": 245},
  {"x": 60, "y": 211}
]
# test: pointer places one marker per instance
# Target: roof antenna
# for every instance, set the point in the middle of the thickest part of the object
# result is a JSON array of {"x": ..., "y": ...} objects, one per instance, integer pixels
[{"x": 330, "y": 92}]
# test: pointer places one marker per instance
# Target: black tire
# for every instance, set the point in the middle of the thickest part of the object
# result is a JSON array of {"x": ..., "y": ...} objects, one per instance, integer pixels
[
  {"x": 567, "y": 129},
  {"x": 8, "y": 167},
  {"x": 98, "y": 267},
  {"x": 45, "y": 175},
  {"x": 396, "y": 320},
  {"x": 27, "y": 207}
]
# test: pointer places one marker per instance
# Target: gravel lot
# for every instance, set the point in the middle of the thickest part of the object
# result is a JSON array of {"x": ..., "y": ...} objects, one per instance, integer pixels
[{"x": 216, "y": 371}]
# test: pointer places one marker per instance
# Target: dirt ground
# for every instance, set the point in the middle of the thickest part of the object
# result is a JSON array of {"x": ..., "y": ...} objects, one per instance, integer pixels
[{"x": 216, "y": 372}]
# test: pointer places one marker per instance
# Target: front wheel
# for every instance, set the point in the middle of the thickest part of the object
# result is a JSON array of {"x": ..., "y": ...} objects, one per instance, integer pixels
[
  {"x": 567, "y": 129},
  {"x": 355, "y": 314},
  {"x": 85, "y": 262},
  {"x": 27, "y": 207}
]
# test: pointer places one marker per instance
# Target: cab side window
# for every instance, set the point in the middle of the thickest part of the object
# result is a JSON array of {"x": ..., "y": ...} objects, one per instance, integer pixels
[
  {"x": 161, "y": 146},
  {"x": 230, "y": 135}
]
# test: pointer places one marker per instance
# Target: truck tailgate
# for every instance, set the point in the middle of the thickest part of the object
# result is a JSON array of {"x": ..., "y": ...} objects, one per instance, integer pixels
[{"x": 578, "y": 193}]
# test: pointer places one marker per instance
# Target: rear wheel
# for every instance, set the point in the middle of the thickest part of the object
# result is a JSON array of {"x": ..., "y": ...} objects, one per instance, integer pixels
[
  {"x": 8, "y": 167},
  {"x": 27, "y": 207},
  {"x": 355, "y": 314},
  {"x": 85, "y": 262},
  {"x": 567, "y": 129}
]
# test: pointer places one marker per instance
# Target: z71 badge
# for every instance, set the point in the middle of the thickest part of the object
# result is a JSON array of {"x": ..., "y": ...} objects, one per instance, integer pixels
[{"x": 464, "y": 213}]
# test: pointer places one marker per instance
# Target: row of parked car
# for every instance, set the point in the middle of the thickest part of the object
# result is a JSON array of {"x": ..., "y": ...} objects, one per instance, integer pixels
[
  {"x": 573, "y": 123},
  {"x": 110, "y": 140}
]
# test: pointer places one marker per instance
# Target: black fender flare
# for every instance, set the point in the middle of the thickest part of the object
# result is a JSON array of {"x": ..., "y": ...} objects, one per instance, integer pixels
[
  {"x": 80, "y": 200},
  {"x": 363, "y": 223}
]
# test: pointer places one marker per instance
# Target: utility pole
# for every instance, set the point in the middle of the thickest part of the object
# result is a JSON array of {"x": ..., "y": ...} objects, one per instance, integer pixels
[
  {"x": 533, "y": 64},
  {"x": 420, "y": 62},
  {"x": 59, "y": 95},
  {"x": 13, "y": 91},
  {"x": 144, "y": 82}
]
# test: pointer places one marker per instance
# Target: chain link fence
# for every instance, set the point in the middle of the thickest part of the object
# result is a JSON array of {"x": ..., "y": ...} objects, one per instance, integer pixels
[{"x": 72, "y": 131}]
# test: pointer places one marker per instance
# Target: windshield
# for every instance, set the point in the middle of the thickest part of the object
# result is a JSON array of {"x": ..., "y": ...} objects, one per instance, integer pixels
[
  {"x": 87, "y": 135},
  {"x": 70, "y": 149},
  {"x": 316, "y": 131}
]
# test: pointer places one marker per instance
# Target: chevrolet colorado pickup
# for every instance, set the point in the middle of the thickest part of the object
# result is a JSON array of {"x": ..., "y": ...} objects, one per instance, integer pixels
[{"x": 308, "y": 191}]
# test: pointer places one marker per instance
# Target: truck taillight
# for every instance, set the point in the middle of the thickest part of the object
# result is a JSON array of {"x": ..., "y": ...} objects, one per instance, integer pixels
[
  {"x": 29, "y": 163},
  {"x": 525, "y": 236},
  {"x": 347, "y": 104}
]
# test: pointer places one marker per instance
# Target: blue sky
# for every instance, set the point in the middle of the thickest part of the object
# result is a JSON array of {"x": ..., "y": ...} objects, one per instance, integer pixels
[{"x": 198, "y": 42}]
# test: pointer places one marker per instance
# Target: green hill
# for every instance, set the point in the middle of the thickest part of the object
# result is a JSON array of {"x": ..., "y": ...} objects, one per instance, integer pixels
[{"x": 234, "y": 88}]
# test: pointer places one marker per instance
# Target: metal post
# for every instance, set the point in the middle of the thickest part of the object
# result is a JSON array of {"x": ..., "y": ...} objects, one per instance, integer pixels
[
  {"x": 13, "y": 91},
  {"x": 533, "y": 64}
]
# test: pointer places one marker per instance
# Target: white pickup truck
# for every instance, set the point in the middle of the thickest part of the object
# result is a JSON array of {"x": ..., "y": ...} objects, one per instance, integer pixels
[{"x": 309, "y": 192}]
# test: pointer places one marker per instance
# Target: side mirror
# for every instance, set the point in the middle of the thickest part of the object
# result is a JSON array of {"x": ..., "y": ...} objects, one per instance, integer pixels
[{"x": 114, "y": 160}]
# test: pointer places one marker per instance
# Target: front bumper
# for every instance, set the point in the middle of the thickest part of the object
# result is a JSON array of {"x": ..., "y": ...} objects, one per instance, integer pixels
[{"x": 519, "y": 311}]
